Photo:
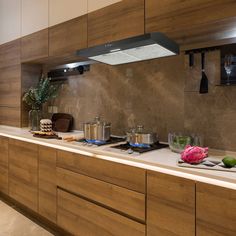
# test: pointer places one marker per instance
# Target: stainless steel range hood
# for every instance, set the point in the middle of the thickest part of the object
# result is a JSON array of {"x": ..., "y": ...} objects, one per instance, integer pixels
[{"x": 139, "y": 48}]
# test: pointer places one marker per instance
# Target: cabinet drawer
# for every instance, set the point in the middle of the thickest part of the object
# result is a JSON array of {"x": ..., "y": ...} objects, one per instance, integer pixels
[
  {"x": 170, "y": 205},
  {"x": 115, "y": 197},
  {"x": 122, "y": 175},
  {"x": 81, "y": 217}
]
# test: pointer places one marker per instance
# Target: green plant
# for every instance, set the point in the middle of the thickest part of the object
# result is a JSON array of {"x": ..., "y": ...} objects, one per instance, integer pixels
[{"x": 43, "y": 92}]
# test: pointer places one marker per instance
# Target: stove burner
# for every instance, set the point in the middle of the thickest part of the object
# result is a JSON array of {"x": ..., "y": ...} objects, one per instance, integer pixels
[
  {"x": 152, "y": 147},
  {"x": 100, "y": 143},
  {"x": 94, "y": 141},
  {"x": 137, "y": 145}
]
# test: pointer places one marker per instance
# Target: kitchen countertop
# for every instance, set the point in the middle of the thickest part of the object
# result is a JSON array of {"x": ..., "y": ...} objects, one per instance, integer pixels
[{"x": 162, "y": 160}]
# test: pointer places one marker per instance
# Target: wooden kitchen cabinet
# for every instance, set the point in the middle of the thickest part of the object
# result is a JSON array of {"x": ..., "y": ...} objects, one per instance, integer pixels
[
  {"x": 23, "y": 173},
  {"x": 4, "y": 165},
  {"x": 35, "y": 46},
  {"x": 63, "y": 10},
  {"x": 68, "y": 37},
  {"x": 215, "y": 210},
  {"x": 170, "y": 205},
  {"x": 120, "y": 199},
  {"x": 94, "y": 5},
  {"x": 120, "y": 20},
  {"x": 83, "y": 218},
  {"x": 129, "y": 177},
  {"x": 10, "y": 86},
  {"x": 34, "y": 16},
  {"x": 192, "y": 22},
  {"x": 10, "y": 53},
  {"x": 10, "y": 20},
  {"x": 47, "y": 183}
]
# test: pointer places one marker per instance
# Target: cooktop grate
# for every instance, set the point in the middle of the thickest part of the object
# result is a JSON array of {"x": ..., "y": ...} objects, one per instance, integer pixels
[{"x": 127, "y": 146}]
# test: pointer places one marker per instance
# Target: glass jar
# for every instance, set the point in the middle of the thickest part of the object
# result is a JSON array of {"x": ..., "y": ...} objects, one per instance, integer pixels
[{"x": 35, "y": 115}]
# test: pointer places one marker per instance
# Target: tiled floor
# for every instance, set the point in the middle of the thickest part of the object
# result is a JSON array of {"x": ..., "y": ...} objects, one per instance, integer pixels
[{"x": 12, "y": 223}]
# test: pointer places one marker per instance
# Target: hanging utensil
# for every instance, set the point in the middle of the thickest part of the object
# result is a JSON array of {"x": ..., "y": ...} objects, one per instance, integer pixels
[
  {"x": 204, "y": 79},
  {"x": 191, "y": 59}
]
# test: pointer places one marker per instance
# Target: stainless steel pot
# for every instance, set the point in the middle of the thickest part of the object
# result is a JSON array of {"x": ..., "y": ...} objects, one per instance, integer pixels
[
  {"x": 97, "y": 130},
  {"x": 138, "y": 137}
]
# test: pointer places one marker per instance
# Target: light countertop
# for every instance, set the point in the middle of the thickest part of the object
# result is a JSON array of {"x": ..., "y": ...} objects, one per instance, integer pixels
[{"x": 162, "y": 160}]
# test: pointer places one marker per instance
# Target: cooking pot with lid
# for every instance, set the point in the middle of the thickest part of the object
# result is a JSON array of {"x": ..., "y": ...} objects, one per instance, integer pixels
[
  {"x": 97, "y": 130},
  {"x": 138, "y": 137}
]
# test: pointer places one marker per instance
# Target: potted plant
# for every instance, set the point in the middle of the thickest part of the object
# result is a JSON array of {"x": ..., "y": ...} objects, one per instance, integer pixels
[{"x": 36, "y": 97}]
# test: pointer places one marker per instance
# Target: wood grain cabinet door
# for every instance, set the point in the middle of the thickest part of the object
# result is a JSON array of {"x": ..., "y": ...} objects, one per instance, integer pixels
[
  {"x": 216, "y": 211},
  {"x": 23, "y": 173},
  {"x": 191, "y": 22},
  {"x": 83, "y": 218},
  {"x": 121, "y": 20},
  {"x": 34, "y": 46},
  {"x": 68, "y": 37},
  {"x": 4, "y": 165},
  {"x": 47, "y": 183},
  {"x": 170, "y": 205}
]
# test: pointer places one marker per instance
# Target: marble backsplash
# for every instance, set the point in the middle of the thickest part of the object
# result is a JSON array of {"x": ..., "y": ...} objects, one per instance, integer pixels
[{"x": 160, "y": 94}]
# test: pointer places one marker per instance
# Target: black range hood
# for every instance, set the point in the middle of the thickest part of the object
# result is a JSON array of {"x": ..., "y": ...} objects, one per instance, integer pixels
[{"x": 139, "y": 48}]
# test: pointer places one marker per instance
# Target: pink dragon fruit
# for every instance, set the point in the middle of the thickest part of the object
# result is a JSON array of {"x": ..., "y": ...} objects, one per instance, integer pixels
[{"x": 194, "y": 154}]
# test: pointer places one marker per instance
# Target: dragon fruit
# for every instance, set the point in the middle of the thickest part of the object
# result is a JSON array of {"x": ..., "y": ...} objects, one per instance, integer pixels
[{"x": 194, "y": 154}]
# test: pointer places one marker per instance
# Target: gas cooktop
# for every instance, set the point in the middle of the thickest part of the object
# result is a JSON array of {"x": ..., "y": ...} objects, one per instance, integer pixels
[{"x": 130, "y": 149}]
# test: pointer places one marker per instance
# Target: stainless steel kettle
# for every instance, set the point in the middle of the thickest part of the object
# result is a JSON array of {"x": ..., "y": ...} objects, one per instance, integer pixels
[{"x": 97, "y": 130}]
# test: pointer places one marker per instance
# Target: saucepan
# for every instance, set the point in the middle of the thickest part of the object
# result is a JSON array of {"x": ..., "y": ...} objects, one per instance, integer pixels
[
  {"x": 138, "y": 137},
  {"x": 97, "y": 130}
]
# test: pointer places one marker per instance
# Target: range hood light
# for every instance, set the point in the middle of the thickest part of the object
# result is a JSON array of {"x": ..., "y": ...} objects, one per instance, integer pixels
[{"x": 144, "y": 47}]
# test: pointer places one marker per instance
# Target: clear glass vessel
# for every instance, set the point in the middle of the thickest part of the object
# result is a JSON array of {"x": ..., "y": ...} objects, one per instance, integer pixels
[{"x": 35, "y": 115}]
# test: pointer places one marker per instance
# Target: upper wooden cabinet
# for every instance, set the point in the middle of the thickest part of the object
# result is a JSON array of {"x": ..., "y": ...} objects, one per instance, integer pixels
[
  {"x": 121, "y": 20},
  {"x": 170, "y": 205},
  {"x": 94, "y": 5},
  {"x": 68, "y": 37},
  {"x": 216, "y": 211},
  {"x": 192, "y": 22},
  {"x": 64, "y": 10},
  {"x": 35, "y": 46},
  {"x": 10, "y": 20},
  {"x": 34, "y": 16}
]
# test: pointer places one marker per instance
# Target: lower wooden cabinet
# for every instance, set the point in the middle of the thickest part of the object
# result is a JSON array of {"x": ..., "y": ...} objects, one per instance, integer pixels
[
  {"x": 47, "y": 183},
  {"x": 120, "y": 199},
  {"x": 215, "y": 211},
  {"x": 23, "y": 173},
  {"x": 4, "y": 165},
  {"x": 83, "y": 218},
  {"x": 170, "y": 205},
  {"x": 129, "y": 177}
]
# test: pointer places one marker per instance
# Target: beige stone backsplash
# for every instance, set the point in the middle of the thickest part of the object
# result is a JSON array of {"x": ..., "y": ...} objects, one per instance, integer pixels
[{"x": 160, "y": 94}]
